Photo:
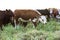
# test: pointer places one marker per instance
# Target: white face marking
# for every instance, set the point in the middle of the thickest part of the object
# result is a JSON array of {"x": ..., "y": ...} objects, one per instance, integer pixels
[{"x": 43, "y": 19}]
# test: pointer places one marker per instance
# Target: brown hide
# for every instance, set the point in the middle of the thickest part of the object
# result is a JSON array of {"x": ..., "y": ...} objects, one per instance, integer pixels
[
  {"x": 55, "y": 12},
  {"x": 26, "y": 15}
]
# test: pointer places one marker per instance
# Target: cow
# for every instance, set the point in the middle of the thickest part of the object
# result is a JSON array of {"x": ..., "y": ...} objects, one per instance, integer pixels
[
  {"x": 45, "y": 12},
  {"x": 28, "y": 15},
  {"x": 53, "y": 12},
  {"x": 6, "y": 16}
]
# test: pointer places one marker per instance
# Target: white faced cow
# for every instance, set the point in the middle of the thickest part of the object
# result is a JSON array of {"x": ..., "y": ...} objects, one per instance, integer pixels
[{"x": 28, "y": 15}]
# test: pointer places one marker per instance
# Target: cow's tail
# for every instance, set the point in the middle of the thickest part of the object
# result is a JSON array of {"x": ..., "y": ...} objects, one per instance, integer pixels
[{"x": 38, "y": 12}]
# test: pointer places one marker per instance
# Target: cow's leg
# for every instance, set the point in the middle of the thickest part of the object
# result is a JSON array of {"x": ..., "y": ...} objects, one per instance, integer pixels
[
  {"x": 15, "y": 23},
  {"x": 48, "y": 18},
  {"x": 34, "y": 24},
  {"x": 1, "y": 26},
  {"x": 34, "y": 21},
  {"x": 12, "y": 22},
  {"x": 25, "y": 24}
]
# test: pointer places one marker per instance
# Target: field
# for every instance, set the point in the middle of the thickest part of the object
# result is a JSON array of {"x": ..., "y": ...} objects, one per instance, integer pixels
[{"x": 49, "y": 31}]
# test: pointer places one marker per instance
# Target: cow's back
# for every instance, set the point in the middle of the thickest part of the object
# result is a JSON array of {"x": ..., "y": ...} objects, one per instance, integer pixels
[
  {"x": 26, "y": 14},
  {"x": 43, "y": 11}
]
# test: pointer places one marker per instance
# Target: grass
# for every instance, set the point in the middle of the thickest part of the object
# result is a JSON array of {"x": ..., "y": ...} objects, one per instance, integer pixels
[{"x": 49, "y": 31}]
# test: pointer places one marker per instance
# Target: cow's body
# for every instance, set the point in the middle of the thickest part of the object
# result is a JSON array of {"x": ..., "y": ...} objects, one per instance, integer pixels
[
  {"x": 53, "y": 12},
  {"x": 27, "y": 15},
  {"x": 44, "y": 12},
  {"x": 5, "y": 17}
]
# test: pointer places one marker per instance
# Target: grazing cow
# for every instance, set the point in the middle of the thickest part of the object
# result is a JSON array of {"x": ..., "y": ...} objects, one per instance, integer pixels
[
  {"x": 58, "y": 16},
  {"x": 44, "y": 12},
  {"x": 6, "y": 17},
  {"x": 53, "y": 12},
  {"x": 28, "y": 15}
]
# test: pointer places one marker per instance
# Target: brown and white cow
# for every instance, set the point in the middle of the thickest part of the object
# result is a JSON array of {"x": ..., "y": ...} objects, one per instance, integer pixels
[
  {"x": 28, "y": 15},
  {"x": 6, "y": 17},
  {"x": 53, "y": 12}
]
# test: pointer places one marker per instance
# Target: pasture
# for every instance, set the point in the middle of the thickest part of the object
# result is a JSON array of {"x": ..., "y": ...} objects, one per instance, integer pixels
[{"x": 49, "y": 31}]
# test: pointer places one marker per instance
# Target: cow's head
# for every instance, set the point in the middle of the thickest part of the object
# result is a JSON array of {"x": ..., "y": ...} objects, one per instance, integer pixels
[
  {"x": 43, "y": 19},
  {"x": 9, "y": 14}
]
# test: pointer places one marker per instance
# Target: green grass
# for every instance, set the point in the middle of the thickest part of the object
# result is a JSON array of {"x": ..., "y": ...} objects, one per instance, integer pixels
[{"x": 49, "y": 31}]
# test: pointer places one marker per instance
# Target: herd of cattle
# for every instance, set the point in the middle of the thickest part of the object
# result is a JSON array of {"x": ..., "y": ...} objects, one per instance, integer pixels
[{"x": 29, "y": 15}]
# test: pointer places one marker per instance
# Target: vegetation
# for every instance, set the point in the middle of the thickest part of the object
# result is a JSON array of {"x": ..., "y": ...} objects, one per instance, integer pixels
[{"x": 49, "y": 31}]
